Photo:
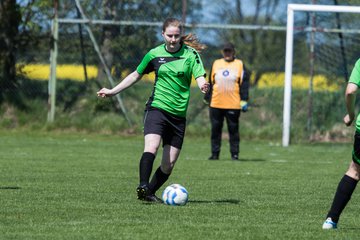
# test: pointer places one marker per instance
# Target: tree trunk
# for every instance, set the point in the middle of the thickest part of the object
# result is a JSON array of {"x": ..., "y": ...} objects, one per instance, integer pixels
[
  {"x": 9, "y": 22},
  {"x": 254, "y": 34},
  {"x": 240, "y": 17},
  {"x": 109, "y": 32}
]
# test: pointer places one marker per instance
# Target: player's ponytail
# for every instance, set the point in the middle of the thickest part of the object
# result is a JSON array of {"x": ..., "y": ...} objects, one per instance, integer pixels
[{"x": 192, "y": 41}]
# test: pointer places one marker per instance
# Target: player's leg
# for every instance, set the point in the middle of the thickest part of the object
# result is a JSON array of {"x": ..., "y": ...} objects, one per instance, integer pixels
[
  {"x": 170, "y": 156},
  {"x": 345, "y": 188},
  {"x": 153, "y": 129},
  {"x": 217, "y": 120},
  {"x": 342, "y": 196},
  {"x": 173, "y": 138},
  {"x": 232, "y": 120},
  {"x": 152, "y": 143}
]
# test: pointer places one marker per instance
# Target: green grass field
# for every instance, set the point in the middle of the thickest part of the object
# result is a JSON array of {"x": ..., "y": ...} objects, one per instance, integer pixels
[{"x": 80, "y": 186}]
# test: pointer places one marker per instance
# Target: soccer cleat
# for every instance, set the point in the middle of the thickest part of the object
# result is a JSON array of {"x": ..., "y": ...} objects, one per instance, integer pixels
[
  {"x": 234, "y": 157},
  {"x": 153, "y": 198},
  {"x": 329, "y": 224},
  {"x": 142, "y": 192}
]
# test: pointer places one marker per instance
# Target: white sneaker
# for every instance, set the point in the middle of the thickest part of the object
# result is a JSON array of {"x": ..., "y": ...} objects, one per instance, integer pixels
[{"x": 329, "y": 224}]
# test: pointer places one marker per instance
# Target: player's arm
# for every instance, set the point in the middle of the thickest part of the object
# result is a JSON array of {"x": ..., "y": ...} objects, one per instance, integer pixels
[
  {"x": 203, "y": 84},
  {"x": 350, "y": 96},
  {"x": 128, "y": 81},
  {"x": 244, "y": 89},
  {"x": 207, "y": 96},
  {"x": 245, "y": 84}
]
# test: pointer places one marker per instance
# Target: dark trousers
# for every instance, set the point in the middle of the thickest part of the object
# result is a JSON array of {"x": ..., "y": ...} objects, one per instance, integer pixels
[{"x": 217, "y": 116}]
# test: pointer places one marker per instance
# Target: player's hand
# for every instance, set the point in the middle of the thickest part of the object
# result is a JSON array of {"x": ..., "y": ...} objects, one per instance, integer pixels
[
  {"x": 205, "y": 87},
  {"x": 104, "y": 92},
  {"x": 348, "y": 120},
  {"x": 244, "y": 106}
]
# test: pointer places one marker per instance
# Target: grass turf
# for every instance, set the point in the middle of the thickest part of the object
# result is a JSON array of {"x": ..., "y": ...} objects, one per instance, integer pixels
[{"x": 67, "y": 186}]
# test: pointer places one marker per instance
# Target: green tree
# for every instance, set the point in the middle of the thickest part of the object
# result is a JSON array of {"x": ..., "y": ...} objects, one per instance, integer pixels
[
  {"x": 23, "y": 32},
  {"x": 10, "y": 18},
  {"x": 124, "y": 46}
]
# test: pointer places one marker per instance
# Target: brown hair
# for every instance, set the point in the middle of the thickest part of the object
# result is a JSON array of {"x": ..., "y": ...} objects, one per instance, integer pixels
[{"x": 188, "y": 39}]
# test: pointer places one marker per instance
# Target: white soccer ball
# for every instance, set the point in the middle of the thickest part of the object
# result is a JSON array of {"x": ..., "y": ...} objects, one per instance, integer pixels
[{"x": 175, "y": 195}]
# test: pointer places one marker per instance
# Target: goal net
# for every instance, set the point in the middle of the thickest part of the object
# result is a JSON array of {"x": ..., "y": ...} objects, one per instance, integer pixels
[{"x": 332, "y": 41}]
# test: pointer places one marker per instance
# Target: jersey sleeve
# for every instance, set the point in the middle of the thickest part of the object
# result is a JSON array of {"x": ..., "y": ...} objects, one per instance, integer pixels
[
  {"x": 145, "y": 65},
  {"x": 198, "y": 67},
  {"x": 355, "y": 74},
  {"x": 244, "y": 88}
]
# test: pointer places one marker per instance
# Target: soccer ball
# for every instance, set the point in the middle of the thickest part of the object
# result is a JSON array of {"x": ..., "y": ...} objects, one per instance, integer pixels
[{"x": 175, "y": 195}]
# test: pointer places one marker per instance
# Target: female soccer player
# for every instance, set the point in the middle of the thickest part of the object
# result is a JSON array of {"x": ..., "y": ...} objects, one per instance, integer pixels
[
  {"x": 349, "y": 181},
  {"x": 174, "y": 63}
]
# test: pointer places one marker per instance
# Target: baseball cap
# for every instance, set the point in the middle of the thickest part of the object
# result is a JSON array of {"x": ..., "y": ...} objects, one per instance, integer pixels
[{"x": 228, "y": 46}]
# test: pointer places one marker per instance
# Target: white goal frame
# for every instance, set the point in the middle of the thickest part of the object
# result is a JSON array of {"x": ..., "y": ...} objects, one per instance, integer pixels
[{"x": 292, "y": 8}]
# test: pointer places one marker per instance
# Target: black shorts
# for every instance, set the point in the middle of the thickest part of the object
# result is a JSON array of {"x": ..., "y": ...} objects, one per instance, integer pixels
[
  {"x": 171, "y": 128},
  {"x": 356, "y": 150}
]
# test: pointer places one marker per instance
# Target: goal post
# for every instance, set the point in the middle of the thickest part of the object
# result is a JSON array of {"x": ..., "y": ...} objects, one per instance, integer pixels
[{"x": 292, "y": 8}]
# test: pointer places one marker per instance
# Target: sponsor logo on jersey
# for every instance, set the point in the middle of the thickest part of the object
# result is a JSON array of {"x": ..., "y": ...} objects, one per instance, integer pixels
[{"x": 226, "y": 73}]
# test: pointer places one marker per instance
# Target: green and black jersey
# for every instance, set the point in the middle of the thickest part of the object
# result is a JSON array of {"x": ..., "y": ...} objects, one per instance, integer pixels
[
  {"x": 355, "y": 78},
  {"x": 173, "y": 73}
]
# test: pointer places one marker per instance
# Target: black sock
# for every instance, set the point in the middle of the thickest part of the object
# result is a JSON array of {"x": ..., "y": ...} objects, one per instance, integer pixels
[
  {"x": 145, "y": 168},
  {"x": 342, "y": 196},
  {"x": 158, "y": 180}
]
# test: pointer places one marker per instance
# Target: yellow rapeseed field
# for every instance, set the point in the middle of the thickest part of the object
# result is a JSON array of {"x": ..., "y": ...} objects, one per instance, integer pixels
[
  {"x": 299, "y": 81},
  {"x": 268, "y": 80},
  {"x": 64, "y": 71}
]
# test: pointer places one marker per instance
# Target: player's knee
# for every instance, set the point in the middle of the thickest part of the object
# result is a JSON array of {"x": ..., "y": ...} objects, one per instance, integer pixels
[
  {"x": 354, "y": 171},
  {"x": 153, "y": 148}
]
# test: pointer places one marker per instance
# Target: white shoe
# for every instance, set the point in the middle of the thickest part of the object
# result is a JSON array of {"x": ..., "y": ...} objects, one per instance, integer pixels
[{"x": 329, "y": 224}]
